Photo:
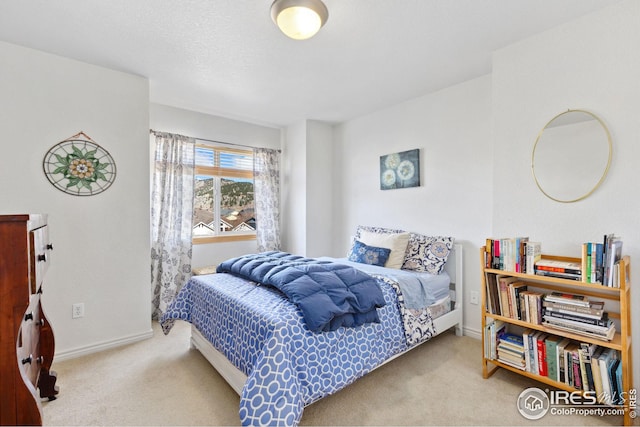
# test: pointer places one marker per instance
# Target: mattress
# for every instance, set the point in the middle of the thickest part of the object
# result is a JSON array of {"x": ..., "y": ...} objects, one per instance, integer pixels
[{"x": 440, "y": 307}]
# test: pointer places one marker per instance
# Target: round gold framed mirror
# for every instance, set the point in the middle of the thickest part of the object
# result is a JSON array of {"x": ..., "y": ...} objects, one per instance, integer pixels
[{"x": 571, "y": 156}]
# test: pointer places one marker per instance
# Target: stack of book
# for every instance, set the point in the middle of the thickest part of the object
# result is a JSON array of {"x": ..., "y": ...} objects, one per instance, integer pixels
[
  {"x": 561, "y": 269},
  {"x": 599, "y": 261},
  {"x": 507, "y": 254},
  {"x": 492, "y": 333},
  {"x": 575, "y": 313},
  {"x": 511, "y": 350},
  {"x": 584, "y": 366}
]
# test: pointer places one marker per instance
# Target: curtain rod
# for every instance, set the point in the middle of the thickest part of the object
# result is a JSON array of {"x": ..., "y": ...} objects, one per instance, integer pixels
[{"x": 214, "y": 141}]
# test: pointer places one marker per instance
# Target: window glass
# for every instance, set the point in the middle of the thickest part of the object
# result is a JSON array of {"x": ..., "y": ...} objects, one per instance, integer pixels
[{"x": 224, "y": 204}]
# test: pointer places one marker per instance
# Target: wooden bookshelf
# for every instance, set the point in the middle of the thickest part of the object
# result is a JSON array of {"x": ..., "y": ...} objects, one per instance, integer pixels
[{"x": 619, "y": 296}]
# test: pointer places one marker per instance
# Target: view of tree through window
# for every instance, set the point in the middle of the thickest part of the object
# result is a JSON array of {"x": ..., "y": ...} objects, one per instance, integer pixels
[{"x": 223, "y": 192}]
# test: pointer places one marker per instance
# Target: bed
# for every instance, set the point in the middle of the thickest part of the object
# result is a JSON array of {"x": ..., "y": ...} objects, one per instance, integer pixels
[{"x": 258, "y": 340}]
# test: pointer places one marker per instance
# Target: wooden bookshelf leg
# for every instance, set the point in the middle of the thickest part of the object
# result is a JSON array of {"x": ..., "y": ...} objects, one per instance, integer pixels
[{"x": 488, "y": 371}]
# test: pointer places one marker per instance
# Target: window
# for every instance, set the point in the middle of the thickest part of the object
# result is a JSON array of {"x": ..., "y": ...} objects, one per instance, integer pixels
[{"x": 223, "y": 195}]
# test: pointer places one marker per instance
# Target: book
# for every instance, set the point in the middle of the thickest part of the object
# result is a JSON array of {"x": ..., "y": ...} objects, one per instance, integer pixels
[
  {"x": 608, "y": 336},
  {"x": 605, "y": 361},
  {"x": 512, "y": 341},
  {"x": 511, "y": 350},
  {"x": 568, "y": 363},
  {"x": 597, "y": 375},
  {"x": 558, "y": 266},
  {"x": 496, "y": 262},
  {"x": 603, "y": 321},
  {"x": 492, "y": 297},
  {"x": 521, "y": 243},
  {"x": 595, "y": 309},
  {"x": 514, "y": 289},
  {"x": 618, "y": 375},
  {"x": 575, "y": 367},
  {"x": 533, "y": 341},
  {"x": 612, "y": 247},
  {"x": 542, "y": 355},
  {"x": 493, "y": 332},
  {"x": 597, "y": 263},
  {"x": 586, "y": 350},
  {"x": 616, "y": 249},
  {"x": 616, "y": 389},
  {"x": 580, "y": 326},
  {"x": 585, "y": 262},
  {"x": 551, "y": 344},
  {"x": 488, "y": 253},
  {"x": 526, "y": 348},
  {"x": 567, "y": 298},
  {"x": 568, "y": 276},
  {"x": 505, "y": 301},
  {"x": 533, "y": 251},
  {"x": 560, "y": 359},
  {"x": 534, "y": 305}
]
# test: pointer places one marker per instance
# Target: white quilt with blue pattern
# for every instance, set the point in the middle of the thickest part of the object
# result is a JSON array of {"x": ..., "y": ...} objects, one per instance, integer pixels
[{"x": 264, "y": 336}]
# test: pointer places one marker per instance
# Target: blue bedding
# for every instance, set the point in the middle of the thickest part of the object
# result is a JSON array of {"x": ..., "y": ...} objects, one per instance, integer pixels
[
  {"x": 264, "y": 335},
  {"x": 419, "y": 289},
  {"x": 330, "y": 295}
]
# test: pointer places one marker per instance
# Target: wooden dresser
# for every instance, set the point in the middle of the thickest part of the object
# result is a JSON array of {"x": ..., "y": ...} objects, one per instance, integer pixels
[{"x": 26, "y": 338}]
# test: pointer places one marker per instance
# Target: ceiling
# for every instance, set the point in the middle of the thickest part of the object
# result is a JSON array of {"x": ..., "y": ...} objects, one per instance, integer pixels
[{"x": 227, "y": 58}]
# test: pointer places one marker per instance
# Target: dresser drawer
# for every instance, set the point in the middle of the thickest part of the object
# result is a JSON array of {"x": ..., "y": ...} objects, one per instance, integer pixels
[
  {"x": 40, "y": 255},
  {"x": 28, "y": 343}
]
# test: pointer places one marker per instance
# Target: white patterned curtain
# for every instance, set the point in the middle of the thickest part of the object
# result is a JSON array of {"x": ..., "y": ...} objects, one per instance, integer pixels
[
  {"x": 171, "y": 218},
  {"x": 266, "y": 175}
]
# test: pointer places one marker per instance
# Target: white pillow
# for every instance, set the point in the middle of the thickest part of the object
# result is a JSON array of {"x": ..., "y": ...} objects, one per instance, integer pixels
[{"x": 397, "y": 242}]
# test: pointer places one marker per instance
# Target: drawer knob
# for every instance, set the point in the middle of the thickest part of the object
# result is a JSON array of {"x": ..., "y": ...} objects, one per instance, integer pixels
[
  {"x": 40, "y": 359},
  {"x": 42, "y": 257},
  {"x": 27, "y": 359},
  {"x": 28, "y": 316},
  {"x": 49, "y": 246}
]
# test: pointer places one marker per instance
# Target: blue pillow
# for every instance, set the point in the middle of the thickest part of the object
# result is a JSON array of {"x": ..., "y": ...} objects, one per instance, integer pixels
[{"x": 368, "y": 254}]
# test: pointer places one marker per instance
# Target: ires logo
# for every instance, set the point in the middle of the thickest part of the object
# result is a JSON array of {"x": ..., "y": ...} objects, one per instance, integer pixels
[{"x": 534, "y": 403}]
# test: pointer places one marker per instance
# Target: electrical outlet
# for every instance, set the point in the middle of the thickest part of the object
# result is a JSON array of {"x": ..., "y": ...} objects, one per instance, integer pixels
[
  {"x": 473, "y": 297},
  {"x": 77, "y": 310}
]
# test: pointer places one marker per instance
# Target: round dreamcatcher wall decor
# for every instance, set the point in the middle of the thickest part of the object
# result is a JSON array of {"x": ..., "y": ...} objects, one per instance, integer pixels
[{"x": 79, "y": 166}]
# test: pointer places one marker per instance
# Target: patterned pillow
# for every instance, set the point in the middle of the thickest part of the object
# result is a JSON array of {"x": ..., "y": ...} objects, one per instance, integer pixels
[
  {"x": 427, "y": 253},
  {"x": 396, "y": 242},
  {"x": 368, "y": 254},
  {"x": 376, "y": 230}
]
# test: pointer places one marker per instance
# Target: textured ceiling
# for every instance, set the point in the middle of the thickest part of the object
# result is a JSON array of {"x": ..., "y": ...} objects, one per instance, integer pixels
[{"x": 226, "y": 57}]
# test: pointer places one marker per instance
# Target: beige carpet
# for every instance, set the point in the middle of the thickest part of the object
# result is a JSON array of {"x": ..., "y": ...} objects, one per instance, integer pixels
[{"x": 161, "y": 381}]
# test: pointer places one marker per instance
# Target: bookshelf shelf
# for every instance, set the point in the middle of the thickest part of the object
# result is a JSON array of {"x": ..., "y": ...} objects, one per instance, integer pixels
[{"x": 619, "y": 297}]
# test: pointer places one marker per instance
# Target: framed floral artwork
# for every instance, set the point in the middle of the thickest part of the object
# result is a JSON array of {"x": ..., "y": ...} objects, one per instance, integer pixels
[
  {"x": 400, "y": 170},
  {"x": 79, "y": 166}
]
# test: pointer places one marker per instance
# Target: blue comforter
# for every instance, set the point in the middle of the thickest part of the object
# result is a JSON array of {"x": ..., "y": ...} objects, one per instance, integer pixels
[
  {"x": 264, "y": 335},
  {"x": 329, "y": 295}
]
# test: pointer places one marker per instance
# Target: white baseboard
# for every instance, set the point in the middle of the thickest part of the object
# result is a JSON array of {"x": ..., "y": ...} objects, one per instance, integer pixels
[
  {"x": 101, "y": 346},
  {"x": 473, "y": 333}
]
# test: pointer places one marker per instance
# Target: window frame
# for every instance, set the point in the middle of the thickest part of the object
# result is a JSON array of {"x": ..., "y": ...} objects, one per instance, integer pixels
[{"x": 221, "y": 172}]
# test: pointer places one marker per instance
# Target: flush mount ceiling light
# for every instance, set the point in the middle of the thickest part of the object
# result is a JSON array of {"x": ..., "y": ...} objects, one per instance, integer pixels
[{"x": 299, "y": 19}]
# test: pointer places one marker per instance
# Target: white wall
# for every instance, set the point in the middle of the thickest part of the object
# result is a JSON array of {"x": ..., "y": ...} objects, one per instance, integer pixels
[
  {"x": 308, "y": 199},
  {"x": 199, "y": 125},
  {"x": 294, "y": 207},
  {"x": 593, "y": 64},
  {"x": 452, "y": 129},
  {"x": 101, "y": 242}
]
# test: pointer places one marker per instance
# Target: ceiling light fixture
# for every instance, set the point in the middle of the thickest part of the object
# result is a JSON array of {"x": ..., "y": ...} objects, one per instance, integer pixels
[{"x": 299, "y": 19}]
